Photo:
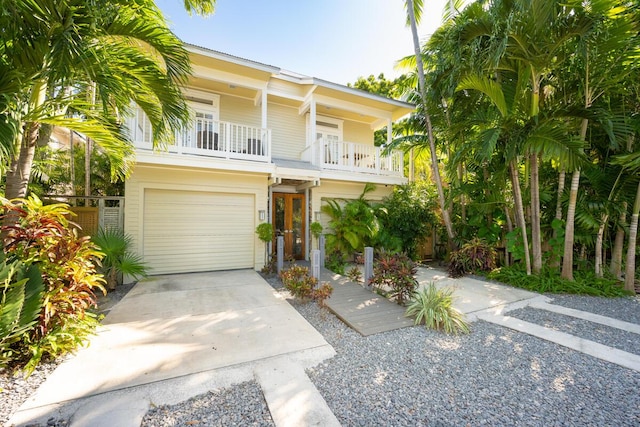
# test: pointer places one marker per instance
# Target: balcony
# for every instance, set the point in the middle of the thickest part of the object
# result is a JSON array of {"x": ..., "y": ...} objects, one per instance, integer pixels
[
  {"x": 352, "y": 157},
  {"x": 213, "y": 138}
]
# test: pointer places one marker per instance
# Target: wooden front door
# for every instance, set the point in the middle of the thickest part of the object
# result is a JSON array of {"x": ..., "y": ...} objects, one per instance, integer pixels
[{"x": 289, "y": 221}]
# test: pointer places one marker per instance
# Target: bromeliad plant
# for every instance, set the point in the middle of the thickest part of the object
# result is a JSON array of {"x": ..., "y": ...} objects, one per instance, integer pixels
[
  {"x": 42, "y": 236},
  {"x": 474, "y": 256},
  {"x": 433, "y": 307}
]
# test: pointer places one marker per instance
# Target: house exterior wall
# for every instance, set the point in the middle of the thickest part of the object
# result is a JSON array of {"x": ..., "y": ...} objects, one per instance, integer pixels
[
  {"x": 357, "y": 132},
  {"x": 239, "y": 110},
  {"x": 186, "y": 179},
  {"x": 288, "y": 130}
]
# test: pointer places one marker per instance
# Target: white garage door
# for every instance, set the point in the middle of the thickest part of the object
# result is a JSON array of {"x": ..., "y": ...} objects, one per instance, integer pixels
[{"x": 187, "y": 231}]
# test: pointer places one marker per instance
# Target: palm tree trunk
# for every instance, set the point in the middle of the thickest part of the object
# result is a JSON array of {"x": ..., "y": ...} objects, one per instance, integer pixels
[
  {"x": 569, "y": 234},
  {"x": 536, "y": 237},
  {"x": 432, "y": 145},
  {"x": 630, "y": 270},
  {"x": 555, "y": 261},
  {"x": 599, "y": 243},
  {"x": 20, "y": 170},
  {"x": 616, "y": 255},
  {"x": 517, "y": 196}
]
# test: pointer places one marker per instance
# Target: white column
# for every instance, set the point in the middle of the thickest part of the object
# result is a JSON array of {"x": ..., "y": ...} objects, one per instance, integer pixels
[
  {"x": 307, "y": 235},
  {"x": 264, "y": 107}
]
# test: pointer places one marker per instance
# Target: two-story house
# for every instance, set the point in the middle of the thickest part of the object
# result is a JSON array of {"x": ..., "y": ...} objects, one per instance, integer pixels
[{"x": 265, "y": 145}]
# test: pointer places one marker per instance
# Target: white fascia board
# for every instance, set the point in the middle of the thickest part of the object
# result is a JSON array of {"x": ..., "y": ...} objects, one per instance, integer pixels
[
  {"x": 362, "y": 177},
  {"x": 362, "y": 93},
  {"x": 291, "y": 173},
  {"x": 231, "y": 58},
  {"x": 182, "y": 160},
  {"x": 226, "y": 77}
]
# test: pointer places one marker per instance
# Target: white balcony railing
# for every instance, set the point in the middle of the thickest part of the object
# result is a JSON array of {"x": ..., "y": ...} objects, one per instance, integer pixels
[
  {"x": 352, "y": 157},
  {"x": 213, "y": 138}
]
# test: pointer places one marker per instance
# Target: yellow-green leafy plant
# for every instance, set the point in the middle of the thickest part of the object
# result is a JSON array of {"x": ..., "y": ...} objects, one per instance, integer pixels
[
  {"x": 433, "y": 307},
  {"x": 42, "y": 235}
]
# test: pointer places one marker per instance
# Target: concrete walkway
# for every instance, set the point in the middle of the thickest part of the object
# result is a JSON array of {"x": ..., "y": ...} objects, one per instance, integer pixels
[{"x": 173, "y": 337}]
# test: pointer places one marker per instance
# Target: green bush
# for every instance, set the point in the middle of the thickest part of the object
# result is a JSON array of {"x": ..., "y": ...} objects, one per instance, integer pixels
[
  {"x": 549, "y": 280},
  {"x": 41, "y": 235},
  {"x": 353, "y": 223},
  {"x": 434, "y": 308},
  {"x": 406, "y": 217},
  {"x": 396, "y": 272},
  {"x": 475, "y": 256},
  {"x": 302, "y": 285},
  {"x": 335, "y": 262}
]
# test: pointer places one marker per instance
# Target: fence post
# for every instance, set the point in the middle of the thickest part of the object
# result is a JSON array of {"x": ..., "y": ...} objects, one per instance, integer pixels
[
  {"x": 321, "y": 244},
  {"x": 368, "y": 265},
  {"x": 315, "y": 263},
  {"x": 280, "y": 252}
]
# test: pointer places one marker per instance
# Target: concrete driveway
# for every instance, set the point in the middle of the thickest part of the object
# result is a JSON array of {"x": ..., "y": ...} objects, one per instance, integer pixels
[{"x": 168, "y": 332}]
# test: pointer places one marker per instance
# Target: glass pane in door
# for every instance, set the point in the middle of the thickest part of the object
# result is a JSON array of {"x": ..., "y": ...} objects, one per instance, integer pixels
[{"x": 297, "y": 227}]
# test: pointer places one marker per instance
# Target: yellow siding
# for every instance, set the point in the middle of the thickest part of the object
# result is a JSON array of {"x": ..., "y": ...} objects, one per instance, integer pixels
[
  {"x": 357, "y": 132},
  {"x": 343, "y": 190},
  {"x": 288, "y": 130},
  {"x": 240, "y": 110},
  {"x": 184, "y": 179}
]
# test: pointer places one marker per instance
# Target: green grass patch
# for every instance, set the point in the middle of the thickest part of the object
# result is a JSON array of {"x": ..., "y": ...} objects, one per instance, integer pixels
[{"x": 548, "y": 281}]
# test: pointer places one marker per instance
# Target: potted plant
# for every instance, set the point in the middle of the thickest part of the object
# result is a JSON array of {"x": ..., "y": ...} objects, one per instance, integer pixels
[
  {"x": 265, "y": 233},
  {"x": 316, "y": 230}
]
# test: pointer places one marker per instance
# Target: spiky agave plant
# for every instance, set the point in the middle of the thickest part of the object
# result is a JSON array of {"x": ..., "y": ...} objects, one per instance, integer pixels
[{"x": 434, "y": 308}]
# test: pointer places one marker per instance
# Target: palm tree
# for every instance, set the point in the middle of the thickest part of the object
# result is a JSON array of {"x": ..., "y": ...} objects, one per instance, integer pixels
[
  {"x": 80, "y": 64},
  {"x": 414, "y": 12}
]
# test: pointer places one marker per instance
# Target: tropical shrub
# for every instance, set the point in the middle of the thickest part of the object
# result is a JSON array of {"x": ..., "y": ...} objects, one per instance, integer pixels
[
  {"x": 474, "y": 256},
  {"x": 335, "y": 262},
  {"x": 302, "y": 285},
  {"x": 434, "y": 308},
  {"x": 353, "y": 223},
  {"x": 394, "y": 274},
  {"x": 42, "y": 236},
  {"x": 406, "y": 217},
  {"x": 585, "y": 282},
  {"x": 118, "y": 258}
]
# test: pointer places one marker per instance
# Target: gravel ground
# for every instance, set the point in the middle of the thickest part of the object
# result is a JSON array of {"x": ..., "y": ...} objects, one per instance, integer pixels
[
  {"x": 241, "y": 405},
  {"x": 416, "y": 377}
]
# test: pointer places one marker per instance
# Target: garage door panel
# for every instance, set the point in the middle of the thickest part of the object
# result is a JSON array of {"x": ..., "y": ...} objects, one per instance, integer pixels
[{"x": 198, "y": 231}]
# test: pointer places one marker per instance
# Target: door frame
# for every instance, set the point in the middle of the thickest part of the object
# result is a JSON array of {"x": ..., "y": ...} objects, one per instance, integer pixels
[{"x": 288, "y": 219}]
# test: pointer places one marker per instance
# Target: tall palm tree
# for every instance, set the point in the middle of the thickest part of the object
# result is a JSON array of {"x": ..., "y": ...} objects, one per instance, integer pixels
[
  {"x": 80, "y": 64},
  {"x": 414, "y": 12}
]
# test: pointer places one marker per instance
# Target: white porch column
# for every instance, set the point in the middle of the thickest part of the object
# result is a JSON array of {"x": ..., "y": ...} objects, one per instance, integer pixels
[
  {"x": 389, "y": 131},
  {"x": 307, "y": 234}
]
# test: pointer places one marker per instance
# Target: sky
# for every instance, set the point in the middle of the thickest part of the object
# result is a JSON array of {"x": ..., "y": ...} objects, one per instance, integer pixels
[{"x": 334, "y": 40}]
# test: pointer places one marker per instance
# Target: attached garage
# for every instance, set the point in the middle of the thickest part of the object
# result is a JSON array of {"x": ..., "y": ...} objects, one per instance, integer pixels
[{"x": 189, "y": 231}]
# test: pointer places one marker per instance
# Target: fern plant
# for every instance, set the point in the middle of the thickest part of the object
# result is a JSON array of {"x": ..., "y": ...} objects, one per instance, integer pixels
[{"x": 434, "y": 308}]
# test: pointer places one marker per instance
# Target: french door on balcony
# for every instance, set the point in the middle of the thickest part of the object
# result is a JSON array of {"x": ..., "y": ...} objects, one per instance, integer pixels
[{"x": 289, "y": 221}]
